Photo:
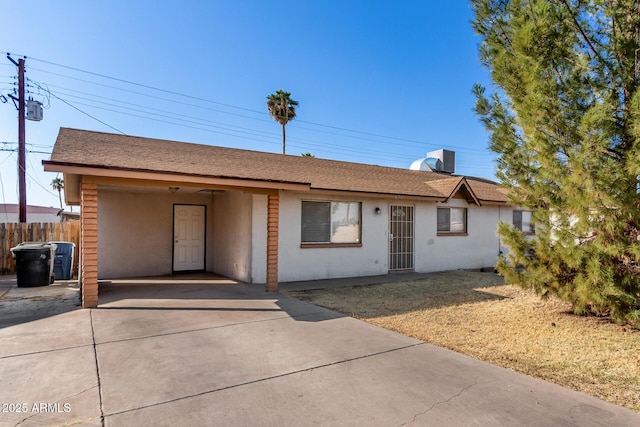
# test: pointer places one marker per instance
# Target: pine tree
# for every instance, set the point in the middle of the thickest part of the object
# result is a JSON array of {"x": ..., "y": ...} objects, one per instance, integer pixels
[{"x": 565, "y": 121}]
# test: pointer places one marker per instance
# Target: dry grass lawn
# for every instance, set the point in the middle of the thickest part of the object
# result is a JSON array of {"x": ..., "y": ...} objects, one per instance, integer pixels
[{"x": 476, "y": 314}]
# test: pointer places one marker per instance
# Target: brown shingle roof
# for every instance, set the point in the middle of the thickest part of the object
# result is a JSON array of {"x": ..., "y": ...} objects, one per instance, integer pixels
[{"x": 112, "y": 151}]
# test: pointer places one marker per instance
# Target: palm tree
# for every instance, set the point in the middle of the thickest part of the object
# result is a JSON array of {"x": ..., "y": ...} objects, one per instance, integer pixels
[
  {"x": 282, "y": 108},
  {"x": 58, "y": 184}
]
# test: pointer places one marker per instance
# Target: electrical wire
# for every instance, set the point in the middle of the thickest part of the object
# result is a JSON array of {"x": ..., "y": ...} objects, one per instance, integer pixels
[
  {"x": 15, "y": 150},
  {"x": 200, "y": 122},
  {"x": 45, "y": 92},
  {"x": 85, "y": 113},
  {"x": 380, "y": 155},
  {"x": 36, "y": 181},
  {"x": 414, "y": 141},
  {"x": 146, "y": 86},
  {"x": 6, "y": 158},
  {"x": 172, "y": 115},
  {"x": 128, "y": 91},
  {"x": 172, "y": 123},
  {"x": 483, "y": 152}
]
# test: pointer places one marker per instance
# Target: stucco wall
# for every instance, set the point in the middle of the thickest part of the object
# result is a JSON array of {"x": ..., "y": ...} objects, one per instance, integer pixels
[
  {"x": 478, "y": 249},
  {"x": 296, "y": 263},
  {"x": 232, "y": 235},
  {"x": 506, "y": 215},
  {"x": 259, "y": 240},
  {"x": 135, "y": 232}
]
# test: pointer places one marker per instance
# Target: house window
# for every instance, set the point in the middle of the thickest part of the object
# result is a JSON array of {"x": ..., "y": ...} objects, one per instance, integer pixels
[
  {"x": 522, "y": 221},
  {"x": 330, "y": 222},
  {"x": 452, "y": 220}
]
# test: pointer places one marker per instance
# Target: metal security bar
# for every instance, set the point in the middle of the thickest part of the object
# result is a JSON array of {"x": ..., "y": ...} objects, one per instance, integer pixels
[{"x": 401, "y": 237}]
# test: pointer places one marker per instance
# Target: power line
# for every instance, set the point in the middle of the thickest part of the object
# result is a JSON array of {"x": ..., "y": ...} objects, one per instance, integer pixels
[
  {"x": 373, "y": 154},
  {"x": 15, "y": 150},
  {"x": 251, "y": 131},
  {"x": 318, "y": 146},
  {"x": 6, "y": 158},
  {"x": 172, "y": 123},
  {"x": 233, "y": 106},
  {"x": 145, "y": 86},
  {"x": 173, "y": 115},
  {"x": 26, "y": 143},
  {"x": 128, "y": 91},
  {"x": 83, "y": 112},
  {"x": 237, "y": 132},
  {"x": 37, "y": 183}
]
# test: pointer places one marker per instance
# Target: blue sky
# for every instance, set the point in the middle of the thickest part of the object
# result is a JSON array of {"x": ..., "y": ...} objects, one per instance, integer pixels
[{"x": 377, "y": 82}]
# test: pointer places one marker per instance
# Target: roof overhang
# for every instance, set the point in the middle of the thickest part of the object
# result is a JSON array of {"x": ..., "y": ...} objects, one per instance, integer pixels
[
  {"x": 493, "y": 203},
  {"x": 75, "y": 174},
  {"x": 376, "y": 195}
]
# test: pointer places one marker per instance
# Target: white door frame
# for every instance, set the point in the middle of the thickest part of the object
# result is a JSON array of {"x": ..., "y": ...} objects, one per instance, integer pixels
[{"x": 199, "y": 258}]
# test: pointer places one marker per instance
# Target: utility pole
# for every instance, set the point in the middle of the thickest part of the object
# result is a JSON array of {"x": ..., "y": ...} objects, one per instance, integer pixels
[
  {"x": 22, "y": 180},
  {"x": 22, "y": 156}
]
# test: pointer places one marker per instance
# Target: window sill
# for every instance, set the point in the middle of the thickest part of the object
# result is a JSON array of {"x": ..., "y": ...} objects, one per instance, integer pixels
[
  {"x": 330, "y": 245},
  {"x": 452, "y": 234}
]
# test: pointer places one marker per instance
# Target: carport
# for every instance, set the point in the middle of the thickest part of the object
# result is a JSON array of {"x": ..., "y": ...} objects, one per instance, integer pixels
[{"x": 130, "y": 191}]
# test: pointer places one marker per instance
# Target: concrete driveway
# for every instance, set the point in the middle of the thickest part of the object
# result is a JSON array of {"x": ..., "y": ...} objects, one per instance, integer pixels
[{"x": 191, "y": 353}]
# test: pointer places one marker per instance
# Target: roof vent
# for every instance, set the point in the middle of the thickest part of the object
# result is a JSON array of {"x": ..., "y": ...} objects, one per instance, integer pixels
[
  {"x": 436, "y": 161},
  {"x": 426, "y": 164},
  {"x": 446, "y": 160}
]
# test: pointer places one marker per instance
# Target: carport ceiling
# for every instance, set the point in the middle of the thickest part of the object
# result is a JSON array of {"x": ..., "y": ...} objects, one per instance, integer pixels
[{"x": 177, "y": 189}]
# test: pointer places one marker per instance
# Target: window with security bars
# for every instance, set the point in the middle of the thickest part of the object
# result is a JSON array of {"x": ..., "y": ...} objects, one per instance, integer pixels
[
  {"x": 452, "y": 220},
  {"x": 330, "y": 222}
]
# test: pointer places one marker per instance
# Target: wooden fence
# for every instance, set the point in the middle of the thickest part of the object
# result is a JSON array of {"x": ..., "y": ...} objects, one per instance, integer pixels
[{"x": 13, "y": 233}]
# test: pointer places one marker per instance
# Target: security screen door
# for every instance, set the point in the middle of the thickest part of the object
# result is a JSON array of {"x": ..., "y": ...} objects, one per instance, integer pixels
[
  {"x": 401, "y": 238},
  {"x": 188, "y": 237}
]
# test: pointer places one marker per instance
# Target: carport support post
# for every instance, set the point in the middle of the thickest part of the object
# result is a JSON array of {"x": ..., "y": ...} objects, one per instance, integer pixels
[
  {"x": 89, "y": 243},
  {"x": 273, "y": 218}
]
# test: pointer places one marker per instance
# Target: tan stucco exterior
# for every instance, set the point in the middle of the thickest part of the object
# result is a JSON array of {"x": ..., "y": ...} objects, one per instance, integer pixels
[{"x": 136, "y": 229}]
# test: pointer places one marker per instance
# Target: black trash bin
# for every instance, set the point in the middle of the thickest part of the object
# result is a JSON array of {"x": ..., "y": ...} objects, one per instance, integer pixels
[
  {"x": 34, "y": 263},
  {"x": 63, "y": 262}
]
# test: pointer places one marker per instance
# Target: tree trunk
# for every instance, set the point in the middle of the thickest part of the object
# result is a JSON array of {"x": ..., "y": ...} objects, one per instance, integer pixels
[{"x": 284, "y": 139}]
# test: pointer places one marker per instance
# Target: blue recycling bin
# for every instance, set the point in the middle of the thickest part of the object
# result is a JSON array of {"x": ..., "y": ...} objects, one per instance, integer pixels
[{"x": 63, "y": 261}]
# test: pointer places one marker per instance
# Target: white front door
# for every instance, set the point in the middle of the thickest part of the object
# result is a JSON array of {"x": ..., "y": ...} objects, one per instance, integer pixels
[{"x": 188, "y": 237}]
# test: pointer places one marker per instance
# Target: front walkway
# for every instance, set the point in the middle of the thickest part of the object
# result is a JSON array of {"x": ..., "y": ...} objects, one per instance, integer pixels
[
  {"x": 201, "y": 354},
  {"x": 309, "y": 285}
]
